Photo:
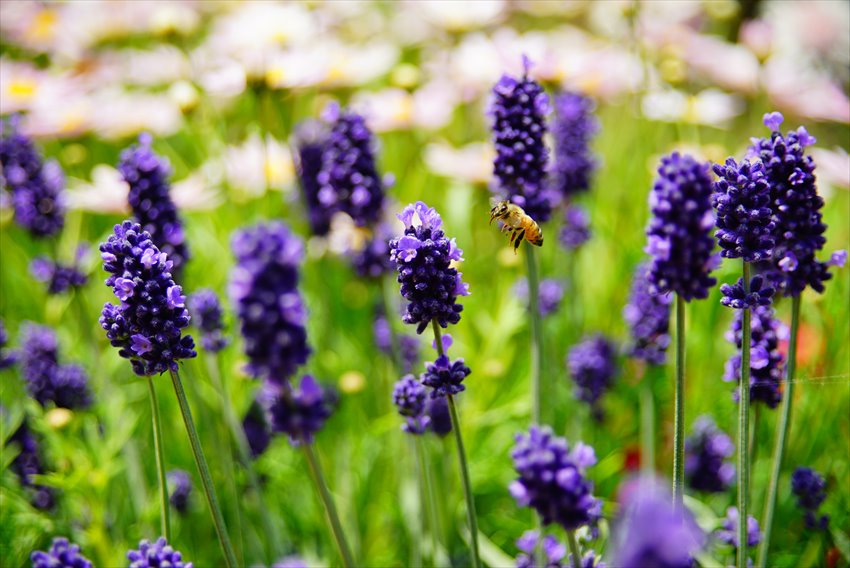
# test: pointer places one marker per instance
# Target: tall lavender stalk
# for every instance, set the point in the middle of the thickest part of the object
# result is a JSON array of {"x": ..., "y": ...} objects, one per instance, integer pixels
[
  {"x": 536, "y": 335},
  {"x": 681, "y": 251}
]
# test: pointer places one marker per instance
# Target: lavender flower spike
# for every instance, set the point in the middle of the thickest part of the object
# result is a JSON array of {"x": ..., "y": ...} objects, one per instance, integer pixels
[
  {"x": 423, "y": 259},
  {"x": 808, "y": 486},
  {"x": 309, "y": 144},
  {"x": 62, "y": 554},
  {"x": 181, "y": 489},
  {"x": 66, "y": 386},
  {"x": 554, "y": 553},
  {"x": 707, "y": 451},
  {"x": 410, "y": 396},
  {"x": 206, "y": 309},
  {"x": 264, "y": 291},
  {"x": 518, "y": 110},
  {"x": 28, "y": 463},
  {"x": 648, "y": 317},
  {"x": 745, "y": 224},
  {"x": 146, "y": 325},
  {"x": 592, "y": 366},
  {"x": 576, "y": 229},
  {"x": 767, "y": 364},
  {"x": 156, "y": 555},
  {"x": 445, "y": 377},
  {"x": 58, "y": 277},
  {"x": 734, "y": 296},
  {"x": 301, "y": 413},
  {"x": 728, "y": 533},
  {"x": 573, "y": 128}
]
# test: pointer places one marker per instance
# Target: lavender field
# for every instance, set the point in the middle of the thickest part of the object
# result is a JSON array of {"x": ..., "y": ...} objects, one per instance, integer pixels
[{"x": 425, "y": 283}]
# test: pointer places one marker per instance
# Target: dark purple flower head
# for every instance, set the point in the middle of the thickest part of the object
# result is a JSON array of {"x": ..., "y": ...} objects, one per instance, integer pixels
[
  {"x": 707, "y": 453},
  {"x": 550, "y": 293},
  {"x": 648, "y": 317},
  {"x": 592, "y": 365},
  {"x": 767, "y": 364},
  {"x": 264, "y": 291},
  {"x": 206, "y": 311},
  {"x": 573, "y": 128},
  {"x": 300, "y": 413},
  {"x": 678, "y": 235},
  {"x": 59, "y": 277},
  {"x": 552, "y": 479},
  {"x": 410, "y": 397},
  {"x": 650, "y": 533},
  {"x": 445, "y": 376},
  {"x": 423, "y": 259},
  {"x": 147, "y": 175},
  {"x": 745, "y": 224},
  {"x": 36, "y": 188},
  {"x": 156, "y": 555},
  {"x": 62, "y": 554},
  {"x": 576, "y": 229},
  {"x": 408, "y": 345},
  {"x": 348, "y": 179},
  {"x": 66, "y": 386},
  {"x": 147, "y": 324},
  {"x": 439, "y": 418},
  {"x": 7, "y": 358},
  {"x": 257, "y": 429},
  {"x": 309, "y": 144},
  {"x": 728, "y": 532},
  {"x": 27, "y": 464},
  {"x": 734, "y": 295},
  {"x": 554, "y": 553},
  {"x": 373, "y": 260},
  {"x": 808, "y": 486},
  {"x": 180, "y": 484},
  {"x": 518, "y": 111},
  {"x": 796, "y": 207}
]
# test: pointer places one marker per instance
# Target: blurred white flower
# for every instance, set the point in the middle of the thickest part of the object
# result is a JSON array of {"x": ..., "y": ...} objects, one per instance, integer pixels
[
  {"x": 709, "y": 107},
  {"x": 19, "y": 85},
  {"x": 196, "y": 193},
  {"x": 161, "y": 65},
  {"x": 430, "y": 107},
  {"x": 725, "y": 64},
  {"x": 250, "y": 167},
  {"x": 120, "y": 114},
  {"x": 472, "y": 163},
  {"x": 801, "y": 90},
  {"x": 458, "y": 15},
  {"x": 833, "y": 168}
]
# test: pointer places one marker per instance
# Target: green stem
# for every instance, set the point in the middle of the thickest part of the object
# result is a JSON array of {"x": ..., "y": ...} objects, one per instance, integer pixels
[
  {"x": 536, "y": 335},
  {"x": 782, "y": 437},
  {"x": 647, "y": 425},
  {"x": 431, "y": 502},
  {"x": 328, "y": 502},
  {"x": 754, "y": 431},
  {"x": 679, "y": 427},
  {"x": 164, "y": 507},
  {"x": 467, "y": 486},
  {"x": 744, "y": 428},
  {"x": 204, "y": 471},
  {"x": 574, "y": 550}
]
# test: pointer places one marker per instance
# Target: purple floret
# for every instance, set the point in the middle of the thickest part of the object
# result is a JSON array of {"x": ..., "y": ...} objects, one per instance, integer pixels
[
  {"x": 707, "y": 453},
  {"x": 66, "y": 386},
  {"x": 648, "y": 317},
  {"x": 745, "y": 226},
  {"x": 767, "y": 364},
  {"x": 301, "y": 413},
  {"x": 576, "y": 229},
  {"x": 573, "y": 128},
  {"x": 592, "y": 365},
  {"x": 728, "y": 532},
  {"x": 156, "y": 555},
  {"x": 62, "y": 554},
  {"x": 206, "y": 311},
  {"x": 410, "y": 397}
]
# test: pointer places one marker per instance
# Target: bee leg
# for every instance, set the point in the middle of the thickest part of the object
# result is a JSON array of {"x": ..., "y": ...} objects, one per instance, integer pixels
[{"x": 518, "y": 240}]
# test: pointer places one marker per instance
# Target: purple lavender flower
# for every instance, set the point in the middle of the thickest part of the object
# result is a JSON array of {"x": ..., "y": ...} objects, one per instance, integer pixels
[
  {"x": 808, "y": 486},
  {"x": 518, "y": 112},
  {"x": 573, "y": 128},
  {"x": 734, "y": 296},
  {"x": 66, "y": 386},
  {"x": 592, "y": 366},
  {"x": 309, "y": 144},
  {"x": 796, "y": 207},
  {"x": 156, "y": 555},
  {"x": 745, "y": 224},
  {"x": 428, "y": 282},
  {"x": 348, "y": 180},
  {"x": 301, "y": 413},
  {"x": 650, "y": 533},
  {"x": 7, "y": 358},
  {"x": 257, "y": 429},
  {"x": 410, "y": 396},
  {"x": 550, "y": 293},
  {"x": 576, "y": 229},
  {"x": 767, "y": 365},
  {"x": 679, "y": 239},
  {"x": 552, "y": 479},
  {"x": 648, "y": 317},
  {"x": 147, "y": 175},
  {"x": 373, "y": 260},
  {"x": 707, "y": 453},
  {"x": 553, "y": 553},
  {"x": 147, "y": 324},
  {"x": 206, "y": 309},
  {"x": 439, "y": 418},
  {"x": 62, "y": 554},
  {"x": 36, "y": 188},
  {"x": 264, "y": 290},
  {"x": 728, "y": 532},
  {"x": 28, "y": 463},
  {"x": 445, "y": 377},
  {"x": 408, "y": 345},
  {"x": 180, "y": 484},
  {"x": 290, "y": 562},
  {"x": 59, "y": 277}
]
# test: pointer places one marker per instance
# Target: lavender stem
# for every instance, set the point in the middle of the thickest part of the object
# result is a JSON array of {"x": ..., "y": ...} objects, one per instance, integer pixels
[
  {"x": 536, "y": 335},
  {"x": 744, "y": 428},
  {"x": 164, "y": 507},
  {"x": 679, "y": 428},
  {"x": 328, "y": 502},
  {"x": 430, "y": 502},
  {"x": 574, "y": 550}
]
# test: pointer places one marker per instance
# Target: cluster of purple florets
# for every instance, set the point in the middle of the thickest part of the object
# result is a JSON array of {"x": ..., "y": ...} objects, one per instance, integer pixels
[
  {"x": 707, "y": 453},
  {"x": 767, "y": 364},
  {"x": 256, "y": 428},
  {"x": 552, "y": 479},
  {"x": 181, "y": 488},
  {"x": 592, "y": 365},
  {"x": 36, "y": 188},
  {"x": 309, "y": 143},
  {"x": 66, "y": 386},
  {"x": 147, "y": 324},
  {"x": 728, "y": 532},
  {"x": 156, "y": 555},
  {"x": 679, "y": 239},
  {"x": 550, "y": 292},
  {"x": 147, "y": 175},
  {"x": 808, "y": 486},
  {"x": 576, "y": 229},
  {"x": 62, "y": 554},
  {"x": 745, "y": 225},
  {"x": 348, "y": 179},
  {"x": 410, "y": 397},
  {"x": 58, "y": 277},
  {"x": 573, "y": 127},
  {"x": 28, "y": 463},
  {"x": 760, "y": 293},
  {"x": 407, "y": 345},
  {"x": 423, "y": 259},
  {"x": 373, "y": 259},
  {"x": 300, "y": 413},
  {"x": 445, "y": 376},
  {"x": 518, "y": 111},
  {"x": 554, "y": 553},
  {"x": 206, "y": 310},
  {"x": 264, "y": 291},
  {"x": 648, "y": 317}
]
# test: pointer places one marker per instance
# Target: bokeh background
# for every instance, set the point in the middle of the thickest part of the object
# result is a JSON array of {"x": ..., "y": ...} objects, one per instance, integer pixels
[{"x": 221, "y": 85}]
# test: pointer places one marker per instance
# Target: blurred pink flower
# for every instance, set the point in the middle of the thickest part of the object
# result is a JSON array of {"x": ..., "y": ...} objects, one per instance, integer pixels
[
  {"x": 801, "y": 90},
  {"x": 833, "y": 168},
  {"x": 725, "y": 64},
  {"x": 19, "y": 86},
  {"x": 709, "y": 107}
]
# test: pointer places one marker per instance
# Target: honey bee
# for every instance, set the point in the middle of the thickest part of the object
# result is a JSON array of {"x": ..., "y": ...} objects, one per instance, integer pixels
[{"x": 517, "y": 223}]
